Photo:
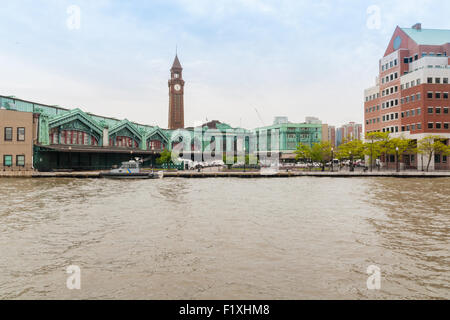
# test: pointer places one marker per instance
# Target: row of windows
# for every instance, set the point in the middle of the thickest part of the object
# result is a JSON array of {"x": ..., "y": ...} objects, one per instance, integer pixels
[
  {"x": 429, "y": 81},
  {"x": 437, "y": 95},
  {"x": 437, "y": 110},
  {"x": 389, "y": 65},
  {"x": 389, "y": 77},
  {"x": 437, "y": 80},
  {"x": 411, "y": 98},
  {"x": 372, "y": 121},
  {"x": 372, "y": 97},
  {"x": 424, "y": 54},
  {"x": 428, "y": 67},
  {"x": 389, "y": 91},
  {"x": 373, "y": 109},
  {"x": 126, "y": 142},
  {"x": 390, "y": 103},
  {"x": 411, "y": 113},
  {"x": 9, "y": 132},
  {"x": 73, "y": 137},
  {"x": 8, "y": 160},
  {"x": 418, "y": 126},
  {"x": 155, "y": 145},
  {"x": 438, "y": 125},
  {"x": 390, "y": 116},
  {"x": 412, "y": 84}
]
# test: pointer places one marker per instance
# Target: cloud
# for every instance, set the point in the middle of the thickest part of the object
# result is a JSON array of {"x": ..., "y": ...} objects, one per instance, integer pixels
[{"x": 291, "y": 57}]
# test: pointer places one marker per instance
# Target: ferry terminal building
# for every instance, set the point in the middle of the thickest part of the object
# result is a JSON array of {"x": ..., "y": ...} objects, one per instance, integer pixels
[{"x": 36, "y": 136}]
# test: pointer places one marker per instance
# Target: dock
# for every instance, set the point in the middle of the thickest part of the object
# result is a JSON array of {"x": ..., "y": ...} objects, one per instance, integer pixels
[{"x": 239, "y": 174}]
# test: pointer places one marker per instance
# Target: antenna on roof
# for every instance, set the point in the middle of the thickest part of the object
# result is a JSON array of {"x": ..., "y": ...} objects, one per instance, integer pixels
[{"x": 417, "y": 26}]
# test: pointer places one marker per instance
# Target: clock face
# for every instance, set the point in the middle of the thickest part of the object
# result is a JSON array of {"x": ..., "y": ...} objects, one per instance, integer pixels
[{"x": 177, "y": 87}]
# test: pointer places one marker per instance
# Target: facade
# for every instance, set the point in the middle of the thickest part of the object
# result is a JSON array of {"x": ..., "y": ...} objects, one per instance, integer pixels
[
  {"x": 211, "y": 141},
  {"x": 289, "y": 136},
  {"x": 176, "y": 96},
  {"x": 411, "y": 94},
  {"x": 325, "y": 137},
  {"x": 332, "y": 135},
  {"x": 17, "y": 130},
  {"x": 73, "y": 139}
]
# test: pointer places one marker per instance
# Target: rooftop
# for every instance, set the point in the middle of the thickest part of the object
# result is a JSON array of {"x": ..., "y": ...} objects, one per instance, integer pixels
[{"x": 428, "y": 36}]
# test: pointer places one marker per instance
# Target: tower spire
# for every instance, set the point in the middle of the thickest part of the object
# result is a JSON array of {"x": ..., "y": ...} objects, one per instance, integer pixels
[{"x": 176, "y": 63}]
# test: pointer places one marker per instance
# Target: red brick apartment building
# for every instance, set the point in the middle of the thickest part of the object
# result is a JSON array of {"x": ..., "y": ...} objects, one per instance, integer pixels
[{"x": 411, "y": 94}]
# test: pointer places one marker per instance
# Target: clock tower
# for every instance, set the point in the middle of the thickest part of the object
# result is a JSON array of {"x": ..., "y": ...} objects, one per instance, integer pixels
[{"x": 176, "y": 96}]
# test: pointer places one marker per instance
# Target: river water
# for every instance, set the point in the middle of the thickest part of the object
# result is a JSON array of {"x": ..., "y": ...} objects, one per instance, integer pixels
[{"x": 225, "y": 238}]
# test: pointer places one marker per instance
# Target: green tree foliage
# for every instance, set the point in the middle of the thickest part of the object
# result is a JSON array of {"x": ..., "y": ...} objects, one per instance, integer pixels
[
  {"x": 303, "y": 152},
  {"x": 375, "y": 145},
  {"x": 432, "y": 145},
  {"x": 351, "y": 149},
  {"x": 319, "y": 152},
  {"x": 165, "y": 158}
]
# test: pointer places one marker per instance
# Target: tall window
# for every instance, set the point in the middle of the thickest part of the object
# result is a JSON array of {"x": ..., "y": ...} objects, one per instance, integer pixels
[
  {"x": 20, "y": 134},
  {"x": 20, "y": 161},
  {"x": 7, "y": 160},
  {"x": 8, "y": 134}
]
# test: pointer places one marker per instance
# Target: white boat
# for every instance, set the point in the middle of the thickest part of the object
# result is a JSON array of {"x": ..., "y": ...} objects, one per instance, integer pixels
[{"x": 131, "y": 170}]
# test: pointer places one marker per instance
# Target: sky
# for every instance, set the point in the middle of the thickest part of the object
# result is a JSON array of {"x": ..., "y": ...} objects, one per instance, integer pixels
[{"x": 289, "y": 58}]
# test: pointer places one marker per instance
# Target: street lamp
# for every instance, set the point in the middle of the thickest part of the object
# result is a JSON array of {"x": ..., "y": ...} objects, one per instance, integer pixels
[
  {"x": 396, "y": 159},
  {"x": 332, "y": 157},
  {"x": 351, "y": 162}
]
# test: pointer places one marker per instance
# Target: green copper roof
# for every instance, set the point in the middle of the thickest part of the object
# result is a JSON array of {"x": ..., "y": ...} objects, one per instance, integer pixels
[{"x": 428, "y": 36}]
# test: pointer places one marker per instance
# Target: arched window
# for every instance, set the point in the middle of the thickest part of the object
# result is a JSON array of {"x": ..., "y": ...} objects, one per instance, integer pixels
[
  {"x": 72, "y": 137},
  {"x": 155, "y": 145},
  {"x": 125, "y": 142}
]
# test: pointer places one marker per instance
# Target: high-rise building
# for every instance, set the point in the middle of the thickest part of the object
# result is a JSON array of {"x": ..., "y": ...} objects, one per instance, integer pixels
[
  {"x": 348, "y": 132},
  {"x": 332, "y": 135},
  {"x": 411, "y": 94},
  {"x": 176, "y": 96}
]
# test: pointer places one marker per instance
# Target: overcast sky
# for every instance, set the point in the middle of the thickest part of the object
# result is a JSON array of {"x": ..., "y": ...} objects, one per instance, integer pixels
[{"x": 284, "y": 57}]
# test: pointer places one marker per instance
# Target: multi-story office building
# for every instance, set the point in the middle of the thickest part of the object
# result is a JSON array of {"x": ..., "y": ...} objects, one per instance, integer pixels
[
  {"x": 411, "y": 94},
  {"x": 290, "y": 135}
]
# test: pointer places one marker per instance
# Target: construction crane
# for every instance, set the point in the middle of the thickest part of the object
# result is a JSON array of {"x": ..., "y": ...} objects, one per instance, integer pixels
[{"x": 259, "y": 116}]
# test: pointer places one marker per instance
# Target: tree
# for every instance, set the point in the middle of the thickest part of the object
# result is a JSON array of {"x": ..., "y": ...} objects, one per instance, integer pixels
[
  {"x": 353, "y": 149},
  {"x": 375, "y": 145},
  {"x": 399, "y": 146},
  {"x": 432, "y": 145},
  {"x": 303, "y": 151},
  {"x": 321, "y": 152},
  {"x": 165, "y": 158}
]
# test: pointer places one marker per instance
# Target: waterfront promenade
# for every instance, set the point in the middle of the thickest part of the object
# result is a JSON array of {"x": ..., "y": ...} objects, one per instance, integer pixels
[{"x": 238, "y": 174}]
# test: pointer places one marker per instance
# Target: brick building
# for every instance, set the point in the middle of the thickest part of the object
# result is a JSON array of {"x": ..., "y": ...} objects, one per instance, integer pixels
[{"x": 411, "y": 94}]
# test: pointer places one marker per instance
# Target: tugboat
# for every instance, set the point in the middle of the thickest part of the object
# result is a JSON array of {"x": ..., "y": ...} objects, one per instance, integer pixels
[{"x": 130, "y": 170}]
